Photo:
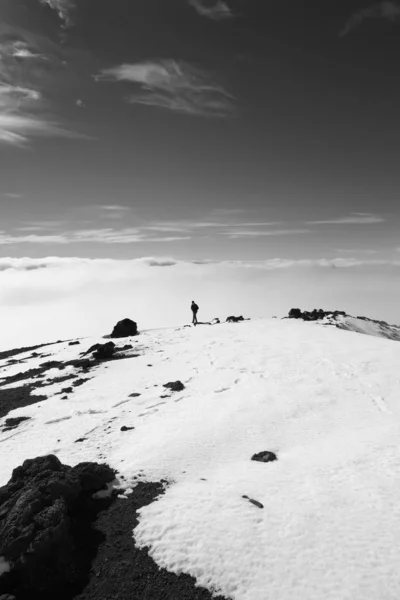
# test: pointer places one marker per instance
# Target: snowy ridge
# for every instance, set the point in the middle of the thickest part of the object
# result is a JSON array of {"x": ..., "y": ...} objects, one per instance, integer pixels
[
  {"x": 325, "y": 402},
  {"x": 356, "y": 324}
]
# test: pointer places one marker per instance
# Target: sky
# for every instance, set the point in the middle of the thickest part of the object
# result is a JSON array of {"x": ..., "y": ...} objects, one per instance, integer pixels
[{"x": 244, "y": 137}]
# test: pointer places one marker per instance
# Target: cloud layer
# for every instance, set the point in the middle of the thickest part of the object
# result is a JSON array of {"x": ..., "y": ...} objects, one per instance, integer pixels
[
  {"x": 91, "y": 295},
  {"x": 173, "y": 85},
  {"x": 218, "y": 11}
]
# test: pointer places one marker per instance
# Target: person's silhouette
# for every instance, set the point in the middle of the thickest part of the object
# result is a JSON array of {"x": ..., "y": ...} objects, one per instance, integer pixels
[{"x": 194, "y": 308}]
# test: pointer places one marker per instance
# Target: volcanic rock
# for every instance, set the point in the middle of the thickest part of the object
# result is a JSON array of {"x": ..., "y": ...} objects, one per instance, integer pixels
[
  {"x": 174, "y": 386},
  {"x": 46, "y": 510},
  {"x": 124, "y": 328},
  {"x": 265, "y": 456}
]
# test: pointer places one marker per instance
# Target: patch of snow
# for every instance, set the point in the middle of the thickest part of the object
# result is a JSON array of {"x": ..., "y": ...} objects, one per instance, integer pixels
[{"x": 325, "y": 402}]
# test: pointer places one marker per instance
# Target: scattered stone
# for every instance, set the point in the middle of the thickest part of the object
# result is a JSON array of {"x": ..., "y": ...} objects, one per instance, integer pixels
[
  {"x": 165, "y": 396},
  {"x": 83, "y": 439},
  {"x": 67, "y": 390},
  {"x": 255, "y": 502},
  {"x": 13, "y": 423},
  {"x": 125, "y": 428},
  {"x": 264, "y": 457},
  {"x": 134, "y": 395},
  {"x": 80, "y": 382},
  {"x": 124, "y": 328},
  {"x": 174, "y": 386},
  {"x": 46, "y": 535},
  {"x": 76, "y": 343},
  {"x": 235, "y": 319}
]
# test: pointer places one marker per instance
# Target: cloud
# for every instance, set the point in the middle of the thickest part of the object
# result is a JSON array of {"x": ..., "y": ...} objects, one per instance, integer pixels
[
  {"x": 175, "y": 86},
  {"x": 387, "y": 9},
  {"x": 31, "y": 68},
  {"x": 353, "y": 219},
  {"x": 11, "y": 195},
  {"x": 93, "y": 294},
  {"x": 243, "y": 233},
  {"x": 218, "y": 11},
  {"x": 63, "y": 9},
  {"x": 113, "y": 207},
  {"x": 127, "y": 235}
]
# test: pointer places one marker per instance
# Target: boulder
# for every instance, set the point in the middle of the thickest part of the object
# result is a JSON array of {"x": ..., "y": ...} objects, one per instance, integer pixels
[
  {"x": 101, "y": 351},
  {"x": 104, "y": 350},
  {"x": 46, "y": 511},
  {"x": 174, "y": 386},
  {"x": 76, "y": 343},
  {"x": 124, "y": 328},
  {"x": 265, "y": 456},
  {"x": 234, "y": 319}
]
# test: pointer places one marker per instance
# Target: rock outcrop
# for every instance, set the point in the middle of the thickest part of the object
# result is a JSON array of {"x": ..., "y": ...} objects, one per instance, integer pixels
[
  {"x": 124, "y": 328},
  {"x": 315, "y": 315},
  {"x": 46, "y": 511}
]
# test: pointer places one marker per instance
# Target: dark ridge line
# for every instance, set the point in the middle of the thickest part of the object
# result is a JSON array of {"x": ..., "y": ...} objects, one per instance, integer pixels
[{"x": 9, "y": 353}]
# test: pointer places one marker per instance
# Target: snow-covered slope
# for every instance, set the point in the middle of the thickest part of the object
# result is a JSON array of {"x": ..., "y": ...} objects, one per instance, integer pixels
[
  {"x": 370, "y": 327},
  {"x": 324, "y": 400}
]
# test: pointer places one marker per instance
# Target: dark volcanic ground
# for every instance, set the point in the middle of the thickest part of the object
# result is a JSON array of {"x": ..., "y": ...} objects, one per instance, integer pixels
[{"x": 120, "y": 571}]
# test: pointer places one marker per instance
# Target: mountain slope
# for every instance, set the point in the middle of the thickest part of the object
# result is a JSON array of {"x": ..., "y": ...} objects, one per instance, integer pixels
[{"x": 324, "y": 521}]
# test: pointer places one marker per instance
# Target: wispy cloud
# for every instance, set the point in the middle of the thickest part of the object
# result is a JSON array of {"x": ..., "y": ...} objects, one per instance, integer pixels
[
  {"x": 250, "y": 233},
  {"x": 353, "y": 219},
  {"x": 113, "y": 207},
  {"x": 387, "y": 9},
  {"x": 24, "y": 110},
  {"x": 218, "y": 11},
  {"x": 11, "y": 195},
  {"x": 173, "y": 85},
  {"x": 63, "y": 8},
  {"x": 128, "y": 235}
]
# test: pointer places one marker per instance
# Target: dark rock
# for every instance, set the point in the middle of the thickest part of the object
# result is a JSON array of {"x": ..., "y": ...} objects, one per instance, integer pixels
[
  {"x": 102, "y": 351},
  {"x": 83, "y": 363},
  {"x": 13, "y": 423},
  {"x": 125, "y": 428},
  {"x": 78, "y": 441},
  {"x": 126, "y": 347},
  {"x": 46, "y": 511},
  {"x": 134, "y": 395},
  {"x": 234, "y": 319},
  {"x": 52, "y": 364},
  {"x": 315, "y": 315},
  {"x": 67, "y": 390},
  {"x": 79, "y": 382},
  {"x": 255, "y": 502},
  {"x": 76, "y": 343},
  {"x": 124, "y": 328},
  {"x": 265, "y": 456},
  {"x": 174, "y": 386}
]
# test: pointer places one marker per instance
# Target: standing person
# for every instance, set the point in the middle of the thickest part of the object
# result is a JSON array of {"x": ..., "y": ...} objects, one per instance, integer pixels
[{"x": 194, "y": 308}]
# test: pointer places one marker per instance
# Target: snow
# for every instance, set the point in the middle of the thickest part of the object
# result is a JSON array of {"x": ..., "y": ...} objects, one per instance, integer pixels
[{"x": 325, "y": 401}]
